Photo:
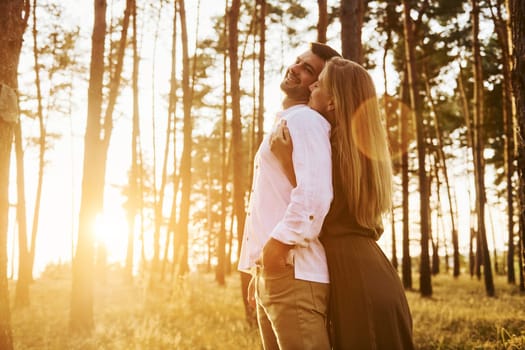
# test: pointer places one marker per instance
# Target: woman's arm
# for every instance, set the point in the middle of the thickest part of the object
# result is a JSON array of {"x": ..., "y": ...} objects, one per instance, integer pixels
[{"x": 282, "y": 147}]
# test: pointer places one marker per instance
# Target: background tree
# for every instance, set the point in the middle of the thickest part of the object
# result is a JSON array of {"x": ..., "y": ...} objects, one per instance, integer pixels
[
  {"x": 352, "y": 15},
  {"x": 322, "y": 22},
  {"x": 185, "y": 163},
  {"x": 424, "y": 270},
  {"x": 517, "y": 18},
  {"x": 478, "y": 146},
  {"x": 13, "y": 20},
  {"x": 81, "y": 315}
]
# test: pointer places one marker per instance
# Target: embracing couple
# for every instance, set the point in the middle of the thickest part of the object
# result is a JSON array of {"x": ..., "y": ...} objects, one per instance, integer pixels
[{"x": 322, "y": 181}]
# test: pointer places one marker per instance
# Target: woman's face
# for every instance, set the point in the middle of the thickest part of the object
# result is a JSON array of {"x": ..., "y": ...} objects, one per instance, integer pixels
[{"x": 320, "y": 100}]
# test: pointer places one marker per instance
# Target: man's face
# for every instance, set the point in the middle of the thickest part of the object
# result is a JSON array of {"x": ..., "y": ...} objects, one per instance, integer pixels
[{"x": 300, "y": 75}]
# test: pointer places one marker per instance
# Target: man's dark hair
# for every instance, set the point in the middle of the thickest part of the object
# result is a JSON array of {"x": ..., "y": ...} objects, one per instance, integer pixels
[{"x": 323, "y": 51}]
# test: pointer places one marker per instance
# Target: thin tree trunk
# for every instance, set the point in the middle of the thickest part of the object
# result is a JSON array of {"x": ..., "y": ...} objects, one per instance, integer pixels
[
  {"x": 387, "y": 100},
  {"x": 41, "y": 154},
  {"x": 442, "y": 160},
  {"x": 134, "y": 191},
  {"x": 424, "y": 275},
  {"x": 262, "y": 60},
  {"x": 24, "y": 269},
  {"x": 479, "y": 162},
  {"x": 158, "y": 198},
  {"x": 221, "y": 249},
  {"x": 170, "y": 128},
  {"x": 185, "y": 164},
  {"x": 406, "y": 263},
  {"x": 322, "y": 22},
  {"x": 470, "y": 144},
  {"x": 517, "y": 19},
  {"x": 237, "y": 147},
  {"x": 434, "y": 234},
  {"x": 81, "y": 313},
  {"x": 501, "y": 26}
]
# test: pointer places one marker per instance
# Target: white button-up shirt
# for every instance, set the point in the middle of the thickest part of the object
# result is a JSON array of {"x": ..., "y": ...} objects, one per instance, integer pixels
[{"x": 292, "y": 215}]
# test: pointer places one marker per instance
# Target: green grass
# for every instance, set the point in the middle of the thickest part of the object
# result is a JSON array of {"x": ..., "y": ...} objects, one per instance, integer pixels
[{"x": 195, "y": 313}]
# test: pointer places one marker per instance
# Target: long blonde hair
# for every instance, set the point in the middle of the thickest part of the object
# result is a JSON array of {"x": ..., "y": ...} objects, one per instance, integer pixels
[{"x": 359, "y": 139}]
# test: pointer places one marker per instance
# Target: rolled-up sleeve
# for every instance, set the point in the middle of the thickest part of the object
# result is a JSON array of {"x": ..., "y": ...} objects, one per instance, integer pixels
[{"x": 310, "y": 199}]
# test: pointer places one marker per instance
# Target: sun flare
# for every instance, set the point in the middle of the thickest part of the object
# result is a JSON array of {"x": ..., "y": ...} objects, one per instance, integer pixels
[{"x": 111, "y": 230}]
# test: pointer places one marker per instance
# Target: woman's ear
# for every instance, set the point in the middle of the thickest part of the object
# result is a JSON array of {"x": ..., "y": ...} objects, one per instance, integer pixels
[{"x": 330, "y": 106}]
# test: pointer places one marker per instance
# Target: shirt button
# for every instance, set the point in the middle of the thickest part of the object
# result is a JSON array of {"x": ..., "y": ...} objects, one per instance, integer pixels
[{"x": 311, "y": 217}]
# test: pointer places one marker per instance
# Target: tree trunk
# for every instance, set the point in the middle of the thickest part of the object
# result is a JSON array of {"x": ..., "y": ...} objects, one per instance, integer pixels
[
  {"x": 424, "y": 276},
  {"x": 322, "y": 22},
  {"x": 479, "y": 162},
  {"x": 352, "y": 14},
  {"x": 13, "y": 21},
  {"x": 220, "y": 272},
  {"x": 170, "y": 128},
  {"x": 502, "y": 28},
  {"x": 443, "y": 161},
  {"x": 406, "y": 263},
  {"x": 41, "y": 155},
  {"x": 133, "y": 203},
  {"x": 517, "y": 17},
  {"x": 389, "y": 113},
  {"x": 185, "y": 163},
  {"x": 24, "y": 260},
  {"x": 262, "y": 60},
  {"x": 237, "y": 147},
  {"x": 81, "y": 315}
]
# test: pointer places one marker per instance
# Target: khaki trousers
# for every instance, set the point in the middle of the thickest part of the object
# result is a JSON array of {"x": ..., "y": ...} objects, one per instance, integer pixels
[{"x": 291, "y": 313}]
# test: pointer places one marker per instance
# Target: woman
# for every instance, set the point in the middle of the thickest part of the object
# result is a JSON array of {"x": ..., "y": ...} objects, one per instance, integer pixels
[{"x": 368, "y": 306}]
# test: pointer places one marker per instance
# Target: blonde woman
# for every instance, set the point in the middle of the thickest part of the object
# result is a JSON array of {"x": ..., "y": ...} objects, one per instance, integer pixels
[{"x": 368, "y": 307}]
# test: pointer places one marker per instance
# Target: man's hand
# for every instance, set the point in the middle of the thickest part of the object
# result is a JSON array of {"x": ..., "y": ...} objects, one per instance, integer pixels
[
  {"x": 274, "y": 255},
  {"x": 251, "y": 293}
]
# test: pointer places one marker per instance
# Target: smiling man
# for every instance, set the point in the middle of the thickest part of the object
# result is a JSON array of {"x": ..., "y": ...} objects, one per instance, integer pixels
[{"x": 280, "y": 245}]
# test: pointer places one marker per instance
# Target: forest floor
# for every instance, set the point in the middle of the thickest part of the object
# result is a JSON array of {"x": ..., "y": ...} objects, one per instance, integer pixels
[{"x": 194, "y": 313}]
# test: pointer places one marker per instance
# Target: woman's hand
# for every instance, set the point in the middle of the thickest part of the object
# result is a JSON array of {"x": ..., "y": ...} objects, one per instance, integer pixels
[{"x": 281, "y": 146}]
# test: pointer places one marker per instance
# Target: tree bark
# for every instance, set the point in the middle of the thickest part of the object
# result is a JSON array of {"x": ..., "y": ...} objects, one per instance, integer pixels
[
  {"x": 352, "y": 14},
  {"x": 501, "y": 26},
  {"x": 134, "y": 195},
  {"x": 220, "y": 272},
  {"x": 170, "y": 128},
  {"x": 479, "y": 162},
  {"x": 185, "y": 163},
  {"x": 443, "y": 161},
  {"x": 517, "y": 18},
  {"x": 424, "y": 272},
  {"x": 322, "y": 22},
  {"x": 406, "y": 262},
  {"x": 28, "y": 273},
  {"x": 24, "y": 260},
  {"x": 81, "y": 315},
  {"x": 13, "y": 21}
]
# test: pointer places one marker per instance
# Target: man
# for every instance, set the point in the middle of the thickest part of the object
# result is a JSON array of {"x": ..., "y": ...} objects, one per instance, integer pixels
[{"x": 280, "y": 245}]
